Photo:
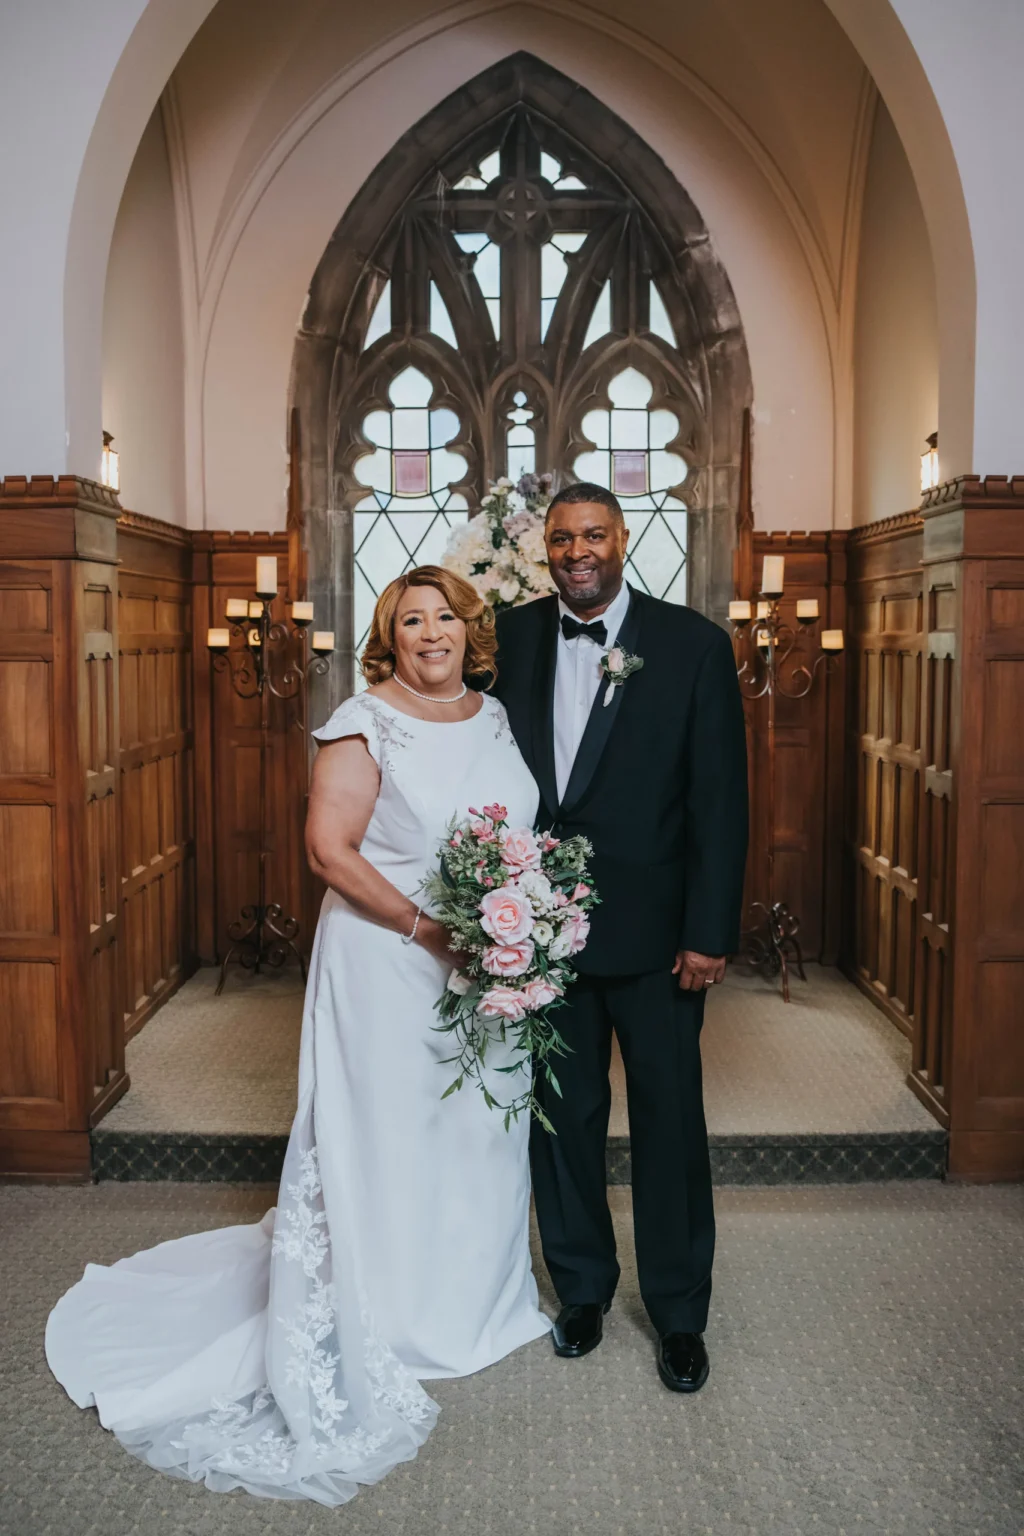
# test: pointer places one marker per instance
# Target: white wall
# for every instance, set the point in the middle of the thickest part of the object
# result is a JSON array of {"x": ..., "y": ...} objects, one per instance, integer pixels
[
  {"x": 143, "y": 362},
  {"x": 269, "y": 259},
  {"x": 896, "y": 353}
]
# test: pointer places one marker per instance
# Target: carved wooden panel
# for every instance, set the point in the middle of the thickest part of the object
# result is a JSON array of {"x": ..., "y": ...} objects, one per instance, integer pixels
[
  {"x": 157, "y": 873},
  {"x": 886, "y": 646},
  {"x": 809, "y": 756}
]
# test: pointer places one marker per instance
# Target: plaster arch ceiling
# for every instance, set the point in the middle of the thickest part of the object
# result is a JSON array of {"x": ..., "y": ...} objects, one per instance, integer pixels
[{"x": 719, "y": 46}]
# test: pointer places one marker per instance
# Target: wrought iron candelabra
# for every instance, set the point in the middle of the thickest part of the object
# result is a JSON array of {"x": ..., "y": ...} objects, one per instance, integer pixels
[
  {"x": 777, "y": 664},
  {"x": 272, "y": 661}
]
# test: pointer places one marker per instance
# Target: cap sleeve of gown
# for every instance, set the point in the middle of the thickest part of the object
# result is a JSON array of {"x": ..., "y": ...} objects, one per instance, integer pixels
[{"x": 356, "y": 717}]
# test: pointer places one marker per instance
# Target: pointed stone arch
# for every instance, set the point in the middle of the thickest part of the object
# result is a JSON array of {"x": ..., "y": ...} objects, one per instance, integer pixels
[{"x": 520, "y": 120}]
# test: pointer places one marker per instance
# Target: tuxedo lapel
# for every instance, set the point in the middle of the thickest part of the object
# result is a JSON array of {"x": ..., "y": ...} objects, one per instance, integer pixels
[
  {"x": 602, "y": 717},
  {"x": 543, "y": 708}
]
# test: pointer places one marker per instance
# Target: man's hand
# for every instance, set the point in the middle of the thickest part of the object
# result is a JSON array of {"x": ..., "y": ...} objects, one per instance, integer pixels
[{"x": 697, "y": 972}]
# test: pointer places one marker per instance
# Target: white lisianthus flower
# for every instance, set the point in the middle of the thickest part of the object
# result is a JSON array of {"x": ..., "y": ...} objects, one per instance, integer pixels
[
  {"x": 504, "y": 484},
  {"x": 542, "y": 934},
  {"x": 516, "y": 503}
]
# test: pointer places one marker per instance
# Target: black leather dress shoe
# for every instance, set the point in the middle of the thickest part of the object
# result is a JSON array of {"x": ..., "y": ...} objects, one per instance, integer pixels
[
  {"x": 683, "y": 1361},
  {"x": 578, "y": 1330}
]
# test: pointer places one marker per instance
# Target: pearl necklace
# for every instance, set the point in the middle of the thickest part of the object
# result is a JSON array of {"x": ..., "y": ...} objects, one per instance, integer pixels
[{"x": 431, "y": 698}]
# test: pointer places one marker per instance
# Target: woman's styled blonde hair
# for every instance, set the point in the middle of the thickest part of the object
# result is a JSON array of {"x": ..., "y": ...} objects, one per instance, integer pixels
[{"x": 378, "y": 659}]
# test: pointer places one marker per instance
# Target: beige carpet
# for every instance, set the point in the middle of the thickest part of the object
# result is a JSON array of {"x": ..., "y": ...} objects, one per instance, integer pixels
[
  {"x": 867, "y": 1350},
  {"x": 826, "y": 1062}
]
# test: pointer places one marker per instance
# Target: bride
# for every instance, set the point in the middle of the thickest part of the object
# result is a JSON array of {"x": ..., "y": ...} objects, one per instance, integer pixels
[{"x": 286, "y": 1357}]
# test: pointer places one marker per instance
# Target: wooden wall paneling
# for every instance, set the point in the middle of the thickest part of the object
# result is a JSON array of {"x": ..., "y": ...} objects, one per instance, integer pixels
[
  {"x": 61, "y": 1058},
  {"x": 157, "y": 765},
  {"x": 809, "y": 754},
  {"x": 228, "y": 563},
  {"x": 974, "y": 564},
  {"x": 885, "y": 726}
]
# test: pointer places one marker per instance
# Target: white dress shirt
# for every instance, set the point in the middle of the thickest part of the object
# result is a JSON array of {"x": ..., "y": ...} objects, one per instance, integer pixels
[{"x": 577, "y": 679}]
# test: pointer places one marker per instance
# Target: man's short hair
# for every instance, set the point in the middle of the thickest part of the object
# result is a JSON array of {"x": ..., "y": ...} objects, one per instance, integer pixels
[{"x": 584, "y": 491}]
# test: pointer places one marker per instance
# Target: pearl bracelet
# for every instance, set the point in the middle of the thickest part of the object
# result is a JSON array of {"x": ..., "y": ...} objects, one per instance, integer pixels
[{"x": 408, "y": 938}]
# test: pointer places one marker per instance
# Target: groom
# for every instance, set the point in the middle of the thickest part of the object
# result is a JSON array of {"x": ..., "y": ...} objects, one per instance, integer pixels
[{"x": 656, "y": 778}]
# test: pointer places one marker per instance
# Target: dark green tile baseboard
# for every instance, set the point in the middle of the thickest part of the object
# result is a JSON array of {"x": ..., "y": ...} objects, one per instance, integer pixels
[{"x": 795, "y": 1158}]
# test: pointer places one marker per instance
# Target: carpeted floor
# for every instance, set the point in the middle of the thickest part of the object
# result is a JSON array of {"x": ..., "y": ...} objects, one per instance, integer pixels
[
  {"x": 867, "y": 1376},
  {"x": 827, "y": 1062}
]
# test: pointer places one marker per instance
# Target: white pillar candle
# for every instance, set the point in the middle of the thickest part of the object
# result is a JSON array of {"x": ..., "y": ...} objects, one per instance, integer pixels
[
  {"x": 762, "y": 638},
  {"x": 255, "y": 610},
  {"x": 739, "y": 612},
  {"x": 763, "y": 610},
  {"x": 302, "y": 613},
  {"x": 266, "y": 575},
  {"x": 254, "y": 638},
  {"x": 771, "y": 574},
  {"x": 807, "y": 608},
  {"x": 237, "y": 608},
  {"x": 323, "y": 640},
  {"x": 832, "y": 640},
  {"x": 218, "y": 639}
]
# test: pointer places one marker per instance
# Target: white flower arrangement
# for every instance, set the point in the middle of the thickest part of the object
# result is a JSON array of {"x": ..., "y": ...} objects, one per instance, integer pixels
[{"x": 501, "y": 550}]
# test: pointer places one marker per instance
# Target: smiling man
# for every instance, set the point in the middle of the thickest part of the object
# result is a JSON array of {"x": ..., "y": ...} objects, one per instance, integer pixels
[{"x": 656, "y": 777}]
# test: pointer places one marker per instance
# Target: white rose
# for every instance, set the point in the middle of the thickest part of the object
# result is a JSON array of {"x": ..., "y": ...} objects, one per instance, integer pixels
[
  {"x": 615, "y": 662},
  {"x": 516, "y": 503},
  {"x": 504, "y": 484},
  {"x": 542, "y": 934},
  {"x": 558, "y": 949},
  {"x": 458, "y": 983},
  {"x": 509, "y": 591}
]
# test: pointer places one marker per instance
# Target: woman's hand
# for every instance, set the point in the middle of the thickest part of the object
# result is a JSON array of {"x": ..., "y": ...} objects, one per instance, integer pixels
[{"x": 435, "y": 938}]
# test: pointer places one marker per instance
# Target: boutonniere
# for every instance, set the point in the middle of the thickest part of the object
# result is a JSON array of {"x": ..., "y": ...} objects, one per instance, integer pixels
[{"x": 617, "y": 665}]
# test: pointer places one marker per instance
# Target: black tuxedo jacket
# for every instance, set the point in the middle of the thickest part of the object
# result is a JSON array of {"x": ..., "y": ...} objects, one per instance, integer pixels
[{"x": 659, "y": 784}]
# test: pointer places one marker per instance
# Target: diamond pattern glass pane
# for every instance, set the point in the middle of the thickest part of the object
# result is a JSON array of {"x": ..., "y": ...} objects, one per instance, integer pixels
[
  {"x": 406, "y": 521},
  {"x": 630, "y": 458}
]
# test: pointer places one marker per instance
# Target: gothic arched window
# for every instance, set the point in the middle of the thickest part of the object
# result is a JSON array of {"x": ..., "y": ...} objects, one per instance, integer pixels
[{"x": 550, "y": 292}]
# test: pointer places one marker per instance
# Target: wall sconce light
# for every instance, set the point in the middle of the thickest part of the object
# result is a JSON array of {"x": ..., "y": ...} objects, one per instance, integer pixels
[
  {"x": 110, "y": 469},
  {"x": 930, "y": 464}
]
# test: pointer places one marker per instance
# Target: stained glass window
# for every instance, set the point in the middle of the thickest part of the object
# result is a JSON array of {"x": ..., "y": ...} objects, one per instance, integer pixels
[
  {"x": 630, "y": 457},
  {"x": 553, "y": 271},
  {"x": 519, "y": 284},
  {"x": 486, "y": 258},
  {"x": 521, "y": 440},
  {"x": 409, "y": 471}
]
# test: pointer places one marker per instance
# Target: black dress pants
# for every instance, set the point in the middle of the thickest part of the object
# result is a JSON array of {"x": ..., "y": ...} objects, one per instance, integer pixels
[{"x": 658, "y": 1029}]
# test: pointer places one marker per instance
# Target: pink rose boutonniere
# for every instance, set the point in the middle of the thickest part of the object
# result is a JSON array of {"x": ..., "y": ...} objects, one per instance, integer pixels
[{"x": 617, "y": 665}]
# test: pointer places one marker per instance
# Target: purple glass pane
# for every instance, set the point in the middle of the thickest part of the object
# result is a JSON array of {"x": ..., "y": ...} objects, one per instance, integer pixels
[
  {"x": 412, "y": 472},
  {"x": 629, "y": 473}
]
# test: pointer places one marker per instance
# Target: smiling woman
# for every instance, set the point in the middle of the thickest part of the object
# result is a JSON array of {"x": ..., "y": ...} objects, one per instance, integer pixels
[{"x": 430, "y": 604}]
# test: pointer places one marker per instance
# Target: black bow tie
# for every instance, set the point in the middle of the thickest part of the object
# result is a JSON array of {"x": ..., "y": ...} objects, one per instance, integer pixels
[{"x": 571, "y": 628}]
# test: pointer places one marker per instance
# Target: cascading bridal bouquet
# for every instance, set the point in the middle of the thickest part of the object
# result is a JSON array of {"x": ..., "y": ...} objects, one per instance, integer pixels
[{"x": 516, "y": 902}]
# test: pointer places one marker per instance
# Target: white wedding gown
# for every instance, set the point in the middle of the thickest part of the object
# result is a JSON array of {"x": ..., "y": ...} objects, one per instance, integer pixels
[{"x": 286, "y": 1357}]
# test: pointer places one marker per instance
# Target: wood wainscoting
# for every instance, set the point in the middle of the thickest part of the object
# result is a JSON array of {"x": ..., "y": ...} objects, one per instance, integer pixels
[
  {"x": 61, "y": 1034},
  {"x": 809, "y": 767},
  {"x": 935, "y": 826},
  {"x": 885, "y": 744},
  {"x": 156, "y": 764},
  {"x": 227, "y": 777}
]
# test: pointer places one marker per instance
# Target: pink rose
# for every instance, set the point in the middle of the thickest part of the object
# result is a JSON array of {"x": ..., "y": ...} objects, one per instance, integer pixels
[
  {"x": 520, "y": 850},
  {"x": 506, "y": 915},
  {"x": 580, "y": 891},
  {"x": 539, "y": 992},
  {"x": 508, "y": 959},
  {"x": 503, "y": 1003}
]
